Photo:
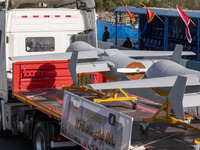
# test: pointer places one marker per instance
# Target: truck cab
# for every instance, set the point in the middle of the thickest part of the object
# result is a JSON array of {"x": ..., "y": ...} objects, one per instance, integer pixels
[{"x": 43, "y": 26}]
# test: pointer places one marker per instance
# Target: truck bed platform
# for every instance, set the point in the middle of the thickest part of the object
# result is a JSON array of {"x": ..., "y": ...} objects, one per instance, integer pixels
[
  {"x": 159, "y": 136},
  {"x": 49, "y": 101},
  {"x": 39, "y": 84}
]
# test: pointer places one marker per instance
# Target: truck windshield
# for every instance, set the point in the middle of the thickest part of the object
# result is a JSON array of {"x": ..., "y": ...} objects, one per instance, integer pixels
[{"x": 13, "y": 4}]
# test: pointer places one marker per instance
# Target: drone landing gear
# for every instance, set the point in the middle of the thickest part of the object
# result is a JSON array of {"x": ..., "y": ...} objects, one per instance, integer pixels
[
  {"x": 168, "y": 118},
  {"x": 109, "y": 96}
]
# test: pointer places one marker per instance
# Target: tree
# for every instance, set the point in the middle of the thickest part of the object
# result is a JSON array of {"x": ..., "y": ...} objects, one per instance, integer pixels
[
  {"x": 98, "y": 5},
  {"x": 111, "y": 5}
]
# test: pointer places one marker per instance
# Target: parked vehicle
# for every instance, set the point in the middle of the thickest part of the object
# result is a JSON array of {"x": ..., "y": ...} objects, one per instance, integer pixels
[{"x": 32, "y": 28}]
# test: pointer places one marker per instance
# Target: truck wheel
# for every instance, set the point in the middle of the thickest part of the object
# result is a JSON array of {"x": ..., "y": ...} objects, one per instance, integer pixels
[{"x": 41, "y": 138}]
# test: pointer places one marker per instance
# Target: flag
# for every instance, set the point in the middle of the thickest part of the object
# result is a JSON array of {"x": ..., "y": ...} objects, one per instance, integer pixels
[
  {"x": 150, "y": 14},
  {"x": 186, "y": 20},
  {"x": 76, "y": 103},
  {"x": 129, "y": 13}
]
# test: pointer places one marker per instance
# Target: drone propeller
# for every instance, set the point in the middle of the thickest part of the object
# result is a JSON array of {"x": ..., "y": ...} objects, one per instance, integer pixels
[{"x": 131, "y": 70}]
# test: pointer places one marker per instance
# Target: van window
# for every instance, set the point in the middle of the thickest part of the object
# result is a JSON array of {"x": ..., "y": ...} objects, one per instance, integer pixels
[{"x": 40, "y": 44}]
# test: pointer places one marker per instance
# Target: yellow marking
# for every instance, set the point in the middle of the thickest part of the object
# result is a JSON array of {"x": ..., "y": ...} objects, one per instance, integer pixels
[
  {"x": 188, "y": 117},
  {"x": 89, "y": 79},
  {"x": 115, "y": 93},
  {"x": 158, "y": 112},
  {"x": 169, "y": 118},
  {"x": 105, "y": 97},
  {"x": 168, "y": 111},
  {"x": 84, "y": 88},
  {"x": 106, "y": 94},
  {"x": 38, "y": 106},
  {"x": 115, "y": 99},
  {"x": 83, "y": 79},
  {"x": 124, "y": 93},
  {"x": 161, "y": 93},
  {"x": 196, "y": 141}
]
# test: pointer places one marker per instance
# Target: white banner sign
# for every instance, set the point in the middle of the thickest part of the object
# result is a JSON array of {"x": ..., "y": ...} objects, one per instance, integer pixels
[{"x": 94, "y": 126}]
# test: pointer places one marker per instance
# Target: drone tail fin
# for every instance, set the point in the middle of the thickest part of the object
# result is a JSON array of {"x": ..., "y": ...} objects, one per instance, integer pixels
[{"x": 176, "y": 96}]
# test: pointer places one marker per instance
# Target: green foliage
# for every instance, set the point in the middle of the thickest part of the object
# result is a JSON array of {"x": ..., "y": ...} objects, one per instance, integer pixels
[{"x": 111, "y": 5}]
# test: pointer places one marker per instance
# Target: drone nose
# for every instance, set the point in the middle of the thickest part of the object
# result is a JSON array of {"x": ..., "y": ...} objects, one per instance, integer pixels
[{"x": 135, "y": 76}]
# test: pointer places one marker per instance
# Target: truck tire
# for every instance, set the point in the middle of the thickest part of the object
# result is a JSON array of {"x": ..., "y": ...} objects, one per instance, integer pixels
[{"x": 41, "y": 136}]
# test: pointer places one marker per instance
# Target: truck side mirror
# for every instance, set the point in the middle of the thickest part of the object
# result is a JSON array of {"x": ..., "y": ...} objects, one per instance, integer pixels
[{"x": 85, "y": 4}]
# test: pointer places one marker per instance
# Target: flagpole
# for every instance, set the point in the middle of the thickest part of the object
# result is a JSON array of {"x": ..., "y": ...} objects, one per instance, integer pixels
[
  {"x": 159, "y": 18},
  {"x": 154, "y": 13},
  {"x": 121, "y": 4},
  {"x": 129, "y": 13},
  {"x": 143, "y": 4},
  {"x": 186, "y": 15},
  {"x": 193, "y": 23}
]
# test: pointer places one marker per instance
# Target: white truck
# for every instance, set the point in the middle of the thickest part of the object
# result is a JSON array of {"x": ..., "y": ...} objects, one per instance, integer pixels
[
  {"x": 44, "y": 26},
  {"x": 32, "y": 27}
]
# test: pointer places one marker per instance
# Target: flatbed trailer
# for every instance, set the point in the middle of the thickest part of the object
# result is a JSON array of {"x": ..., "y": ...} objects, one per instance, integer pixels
[
  {"x": 44, "y": 100},
  {"x": 46, "y": 96},
  {"x": 37, "y": 100},
  {"x": 158, "y": 135}
]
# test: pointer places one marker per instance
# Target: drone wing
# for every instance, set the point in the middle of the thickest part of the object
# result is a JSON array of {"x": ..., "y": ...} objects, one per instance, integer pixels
[
  {"x": 55, "y": 56},
  {"x": 136, "y": 53},
  {"x": 178, "y": 48},
  {"x": 177, "y": 97},
  {"x": 145, "y": 83}
]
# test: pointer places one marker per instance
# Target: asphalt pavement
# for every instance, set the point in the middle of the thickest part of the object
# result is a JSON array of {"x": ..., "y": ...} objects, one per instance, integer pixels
[{"x": 15, "y": 143}]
